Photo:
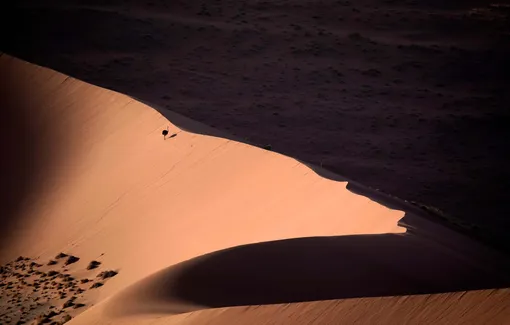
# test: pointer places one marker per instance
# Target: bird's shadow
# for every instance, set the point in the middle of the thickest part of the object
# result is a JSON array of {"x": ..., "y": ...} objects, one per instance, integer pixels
[{"x": 171, "y": 136}]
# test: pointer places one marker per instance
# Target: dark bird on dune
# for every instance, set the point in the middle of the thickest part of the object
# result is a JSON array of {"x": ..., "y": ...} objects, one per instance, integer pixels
[{"x": 165, "y": 133}]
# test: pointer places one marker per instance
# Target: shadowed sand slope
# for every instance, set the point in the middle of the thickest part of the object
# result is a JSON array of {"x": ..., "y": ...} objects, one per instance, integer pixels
[
  {"x": 167, "y": 215},
  {"x": 410, "y": 97},
  {"x": 29, "y": 138},
  {"x": 308, "y": 269}
]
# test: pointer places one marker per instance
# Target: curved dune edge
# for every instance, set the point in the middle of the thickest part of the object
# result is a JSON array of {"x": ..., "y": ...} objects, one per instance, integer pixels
[
  {"x": 119, "y": 175},
  {"x": 473, "y": 307},
  {"x": 305, "y": 269},
  {"x": 120, "y": 194}
]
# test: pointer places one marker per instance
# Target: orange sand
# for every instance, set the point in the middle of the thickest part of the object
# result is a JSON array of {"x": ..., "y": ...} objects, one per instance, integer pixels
[{"x": 116, "y": 191}]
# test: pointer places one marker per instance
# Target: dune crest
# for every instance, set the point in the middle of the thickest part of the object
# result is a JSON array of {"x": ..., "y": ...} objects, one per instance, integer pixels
[{"x": 118, "y": 192}]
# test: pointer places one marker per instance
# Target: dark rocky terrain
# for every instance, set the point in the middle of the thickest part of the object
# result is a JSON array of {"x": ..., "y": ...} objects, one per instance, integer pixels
[{"x": 33, "y": 293}]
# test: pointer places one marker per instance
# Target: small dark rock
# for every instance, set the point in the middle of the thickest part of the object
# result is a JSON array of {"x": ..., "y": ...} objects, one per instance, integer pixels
[
  {"x": 68, "y": 303},
  {"x": 52, "y": 262},
  {"x": 93, "y": 265},
  {"x": 60, "y": 255},
  {"x": 107, "y": 274},
  {"x": 51, "y": 313},
  {"x": 84, "y": 280},
  {"x": 96, "y": 285},
  {"x": 72, "y": 259}
]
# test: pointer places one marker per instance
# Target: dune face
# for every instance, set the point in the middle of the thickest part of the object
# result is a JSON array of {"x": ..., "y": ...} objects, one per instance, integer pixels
[
  {"x": 30, "y": 142},
  {"x": 409, "y": 97},
  {"x": 158, "y": 227},
  {"x": 119, "y": 156}
]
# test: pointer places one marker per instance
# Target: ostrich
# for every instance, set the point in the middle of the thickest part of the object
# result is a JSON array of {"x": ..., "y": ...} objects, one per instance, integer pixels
[{"x": 165, "y": 133}]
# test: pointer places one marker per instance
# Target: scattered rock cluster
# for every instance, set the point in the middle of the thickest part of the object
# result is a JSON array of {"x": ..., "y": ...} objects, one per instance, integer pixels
[{"x": 33, "y": 293}]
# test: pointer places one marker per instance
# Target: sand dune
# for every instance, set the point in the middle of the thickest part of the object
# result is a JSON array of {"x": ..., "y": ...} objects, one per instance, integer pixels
[
  {"x": 195, "y": 222},
  {"x": 407, "y": 96},
  {"x": 475, "y": 307}
]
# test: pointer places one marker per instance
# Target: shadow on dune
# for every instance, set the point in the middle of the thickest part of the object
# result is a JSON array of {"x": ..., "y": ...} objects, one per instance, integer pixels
[
  {"x": 15, "y": 170},
  {"x": 25, "y": 154},
  {"x": 310, "y": 269}
]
